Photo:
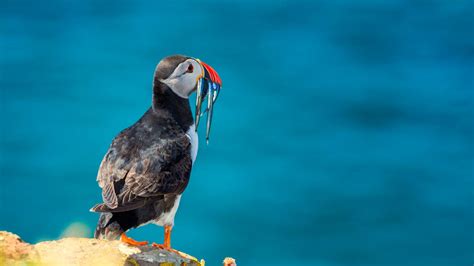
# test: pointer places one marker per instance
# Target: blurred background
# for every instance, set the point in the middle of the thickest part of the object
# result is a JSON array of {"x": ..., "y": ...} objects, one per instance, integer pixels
[{"x": 344, "y": 133}]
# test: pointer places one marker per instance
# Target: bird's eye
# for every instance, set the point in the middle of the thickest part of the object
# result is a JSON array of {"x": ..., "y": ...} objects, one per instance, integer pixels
[{"x": 190, "y": 68}]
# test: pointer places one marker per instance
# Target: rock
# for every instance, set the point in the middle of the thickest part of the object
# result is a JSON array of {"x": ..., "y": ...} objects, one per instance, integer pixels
[
  {"x": 14, "y": 251},
  {"x": 150, "y": 256},
  {"x": 86, "y": 251},
  {"x": 80, "y": 251}
]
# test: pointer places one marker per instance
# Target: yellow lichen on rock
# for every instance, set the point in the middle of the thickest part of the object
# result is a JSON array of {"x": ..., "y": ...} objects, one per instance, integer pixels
[
  {"x": 80, "y": 251},
  {"x": 13, "y": 251},
  {"x": 85, "y": 251}
]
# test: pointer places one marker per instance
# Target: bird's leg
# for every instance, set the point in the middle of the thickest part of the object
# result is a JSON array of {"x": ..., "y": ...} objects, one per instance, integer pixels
[
  {"x": 167, "y": 244},
  {"x": 124, "y": 238},
  {"x": 167, "y": 241}
]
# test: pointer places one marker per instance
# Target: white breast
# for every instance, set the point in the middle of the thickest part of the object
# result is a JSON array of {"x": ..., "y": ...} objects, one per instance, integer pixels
[
  {"x": 167, "y": 218},
  {"x": 193, "y": 137}
]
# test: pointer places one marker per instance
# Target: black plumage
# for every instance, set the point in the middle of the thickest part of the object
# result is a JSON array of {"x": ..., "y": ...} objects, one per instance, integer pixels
[{"x": 148, "y": 165}]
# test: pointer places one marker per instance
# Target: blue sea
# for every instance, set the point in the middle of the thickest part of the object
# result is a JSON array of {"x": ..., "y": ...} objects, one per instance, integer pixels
[{"x": 343, "y": 135}]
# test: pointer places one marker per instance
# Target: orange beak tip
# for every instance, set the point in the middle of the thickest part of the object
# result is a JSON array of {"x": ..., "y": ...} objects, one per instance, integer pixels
[{"x": 212, "y": 74}]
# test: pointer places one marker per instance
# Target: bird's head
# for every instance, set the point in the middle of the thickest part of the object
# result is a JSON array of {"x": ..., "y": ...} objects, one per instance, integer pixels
[{"x": 185, "y": 75}]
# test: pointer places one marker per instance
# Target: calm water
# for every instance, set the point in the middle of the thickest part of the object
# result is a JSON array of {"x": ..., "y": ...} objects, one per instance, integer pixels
[{"x": 343, "y": 135}]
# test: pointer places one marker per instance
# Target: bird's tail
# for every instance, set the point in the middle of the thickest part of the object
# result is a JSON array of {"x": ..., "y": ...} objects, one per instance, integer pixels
[{"x": 107, "y": 227}]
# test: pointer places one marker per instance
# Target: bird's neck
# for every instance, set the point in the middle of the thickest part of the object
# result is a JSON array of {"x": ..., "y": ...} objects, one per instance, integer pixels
[{"x": 164, "y": 100}]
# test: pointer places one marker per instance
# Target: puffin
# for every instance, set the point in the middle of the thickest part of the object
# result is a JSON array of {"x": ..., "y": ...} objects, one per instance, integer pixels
[{"x": 148, "y": 165}]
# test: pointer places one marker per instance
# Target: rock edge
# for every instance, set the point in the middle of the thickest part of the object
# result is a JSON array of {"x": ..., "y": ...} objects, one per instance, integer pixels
[{"x": 85, "y": 251}]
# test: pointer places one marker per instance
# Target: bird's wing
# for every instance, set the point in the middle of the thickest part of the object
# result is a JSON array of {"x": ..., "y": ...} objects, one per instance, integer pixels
[{"x": 129, "y": 175}]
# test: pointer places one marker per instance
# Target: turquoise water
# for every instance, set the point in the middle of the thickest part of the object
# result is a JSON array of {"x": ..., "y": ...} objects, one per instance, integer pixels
[{"x": 343, "y": 134}]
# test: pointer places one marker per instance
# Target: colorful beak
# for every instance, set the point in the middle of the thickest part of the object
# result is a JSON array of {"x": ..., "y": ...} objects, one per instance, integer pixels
[{"x": 208, "y": 85}]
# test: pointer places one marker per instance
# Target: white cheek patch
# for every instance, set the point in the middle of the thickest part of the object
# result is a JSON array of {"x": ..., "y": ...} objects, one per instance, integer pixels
[
  {"x": 181, "y": 82},
  {"x": 177, "y": 86}
]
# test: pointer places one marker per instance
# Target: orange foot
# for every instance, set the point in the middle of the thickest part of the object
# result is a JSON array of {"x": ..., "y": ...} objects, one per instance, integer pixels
[
  {"x": 165, "y": 247},
  {"x": 124, "y": 238}
]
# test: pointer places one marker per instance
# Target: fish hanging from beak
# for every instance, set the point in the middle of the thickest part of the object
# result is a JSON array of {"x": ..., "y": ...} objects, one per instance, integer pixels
[{"x": 209, "y": 84}]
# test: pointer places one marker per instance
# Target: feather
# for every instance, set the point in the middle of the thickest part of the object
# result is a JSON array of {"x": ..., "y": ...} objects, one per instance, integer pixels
[{"x": 144, "y": 162}]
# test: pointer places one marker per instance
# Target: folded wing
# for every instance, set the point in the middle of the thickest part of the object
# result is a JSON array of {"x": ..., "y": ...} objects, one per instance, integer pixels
[{"x": 133, "y": 173}]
